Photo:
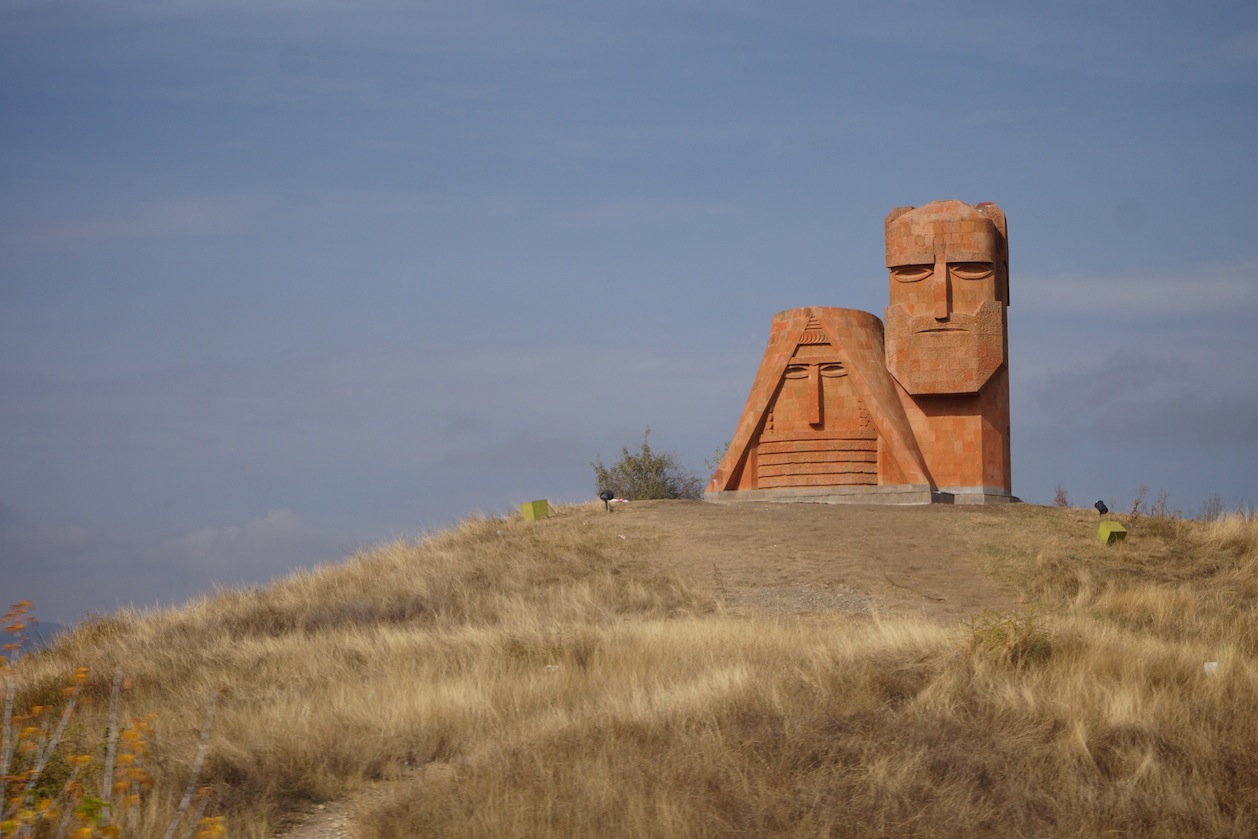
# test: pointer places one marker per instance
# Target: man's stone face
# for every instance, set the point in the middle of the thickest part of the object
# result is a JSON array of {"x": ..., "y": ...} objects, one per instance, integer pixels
[{"x": 945, "y": 327}]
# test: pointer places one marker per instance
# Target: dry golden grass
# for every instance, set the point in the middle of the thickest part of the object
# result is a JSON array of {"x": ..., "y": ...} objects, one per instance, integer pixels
[{"x": 516, "y": 679}]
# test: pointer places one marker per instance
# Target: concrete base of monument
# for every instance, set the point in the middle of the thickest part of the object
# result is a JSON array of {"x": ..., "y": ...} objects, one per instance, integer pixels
[
  {"x": 980, "y": 495},
  {"x": 905, "y": 495}
]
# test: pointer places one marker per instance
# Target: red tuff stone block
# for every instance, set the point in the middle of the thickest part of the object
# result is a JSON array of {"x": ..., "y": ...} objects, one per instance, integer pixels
[{"x": 840, "y": 402}]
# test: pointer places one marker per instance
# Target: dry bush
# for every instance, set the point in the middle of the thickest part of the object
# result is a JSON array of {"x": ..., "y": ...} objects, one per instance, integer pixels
[
  {"x": 646, "y": 474},
  {"x": 515, "y": 679},
  {"x": 1016, "y": 638}
]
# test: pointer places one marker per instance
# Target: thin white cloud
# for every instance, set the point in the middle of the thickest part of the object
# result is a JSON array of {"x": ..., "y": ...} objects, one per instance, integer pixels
[
  {"x": 1155, "y": 397},
  {"x": 484, "y": 27},
  {"x": 202, "y": 543},
  {"x": 468, "y": 93},
  {"x": 1242, "y": 48},
  {"x": 399, "y": 147},
  {"x": 1205, "y": 291},
  {"x": 565, "y": 75},
  {"x": 43, "y": 543},
  {"x": 172, "y": 218},
  {"x": 995, "y": 116},
  {"x": 275, "y": 542},
  {"x": 264, "y": 87},
  {"x": 655, "y": 210}
]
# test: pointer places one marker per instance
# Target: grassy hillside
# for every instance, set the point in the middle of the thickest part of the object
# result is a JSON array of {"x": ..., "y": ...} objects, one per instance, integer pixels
[{"x": 562, "y": 678}]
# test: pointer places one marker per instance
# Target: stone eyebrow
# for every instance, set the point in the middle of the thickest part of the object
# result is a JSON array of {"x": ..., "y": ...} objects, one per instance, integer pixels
[{"x": 954, "y": 256}]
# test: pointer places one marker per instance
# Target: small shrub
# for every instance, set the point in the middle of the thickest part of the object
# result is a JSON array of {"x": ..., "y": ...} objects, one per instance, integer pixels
[
  {"x": 646, "y": 474},
  {"x": 1137, "y": 503},
  {"x": 1009, "y": 637},
  {"x": 1060, "y": 498},
  {"x": 1159, "y": 509}
]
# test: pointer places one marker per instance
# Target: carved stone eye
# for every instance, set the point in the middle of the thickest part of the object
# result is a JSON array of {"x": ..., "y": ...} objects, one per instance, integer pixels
[
  {"x": 833, "y": 371},
  {"x": 912, "y": 273},
  {"x": 972, "y": 270},
  {"x": 797, "y": 371}
]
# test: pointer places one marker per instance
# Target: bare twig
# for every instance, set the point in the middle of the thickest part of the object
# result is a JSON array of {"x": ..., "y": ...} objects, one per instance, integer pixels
[
  {"x": 16, "y": 614},
  {"x": 7, "y": 744},
  {"x": 196, "y": 817},
  {"x": 196, "y": 765},
  {"x": 111, "y": 745},
  {"x": 67, "y": 810}
]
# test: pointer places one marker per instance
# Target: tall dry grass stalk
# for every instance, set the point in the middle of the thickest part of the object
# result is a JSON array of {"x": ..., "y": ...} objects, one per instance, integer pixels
[{"x": 540, "y": 679}]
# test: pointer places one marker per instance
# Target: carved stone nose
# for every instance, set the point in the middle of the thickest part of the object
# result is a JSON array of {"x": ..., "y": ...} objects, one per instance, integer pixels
[
  {"x": 939, "y": 286},
  {"x": 814, "y": 395}
]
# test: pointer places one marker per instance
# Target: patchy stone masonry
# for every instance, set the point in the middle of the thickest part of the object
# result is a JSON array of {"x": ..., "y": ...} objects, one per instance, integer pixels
[{"x": 843, "y": 410}]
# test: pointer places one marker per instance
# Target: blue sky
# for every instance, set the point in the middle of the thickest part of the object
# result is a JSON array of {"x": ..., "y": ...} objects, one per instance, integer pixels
[{"x": 282, "y": 280}]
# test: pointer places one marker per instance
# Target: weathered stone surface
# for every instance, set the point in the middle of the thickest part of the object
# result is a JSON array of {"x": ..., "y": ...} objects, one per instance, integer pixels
[{"x": 917, "y": 413}]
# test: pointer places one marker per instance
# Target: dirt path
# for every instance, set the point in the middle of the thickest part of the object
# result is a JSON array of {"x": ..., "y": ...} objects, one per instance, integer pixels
[{"x": 822, "y": 557}]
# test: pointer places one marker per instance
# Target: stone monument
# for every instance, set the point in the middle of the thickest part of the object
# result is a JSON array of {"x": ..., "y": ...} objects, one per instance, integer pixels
[{"x": 842, "y": 412}]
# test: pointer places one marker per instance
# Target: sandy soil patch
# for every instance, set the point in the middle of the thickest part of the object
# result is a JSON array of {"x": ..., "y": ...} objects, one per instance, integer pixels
[{"x": 828, "y": 557}]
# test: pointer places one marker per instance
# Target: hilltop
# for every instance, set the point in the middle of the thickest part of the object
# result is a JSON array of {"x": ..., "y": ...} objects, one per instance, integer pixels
[
  {"x": 799, "y": 558},
  {"x": 686, "y": 669}
]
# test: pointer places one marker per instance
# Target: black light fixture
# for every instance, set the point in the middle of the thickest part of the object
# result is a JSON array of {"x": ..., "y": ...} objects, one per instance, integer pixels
[
  {"x": 1101, "y": 508},
  {"x": 607, "y": 495}
]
